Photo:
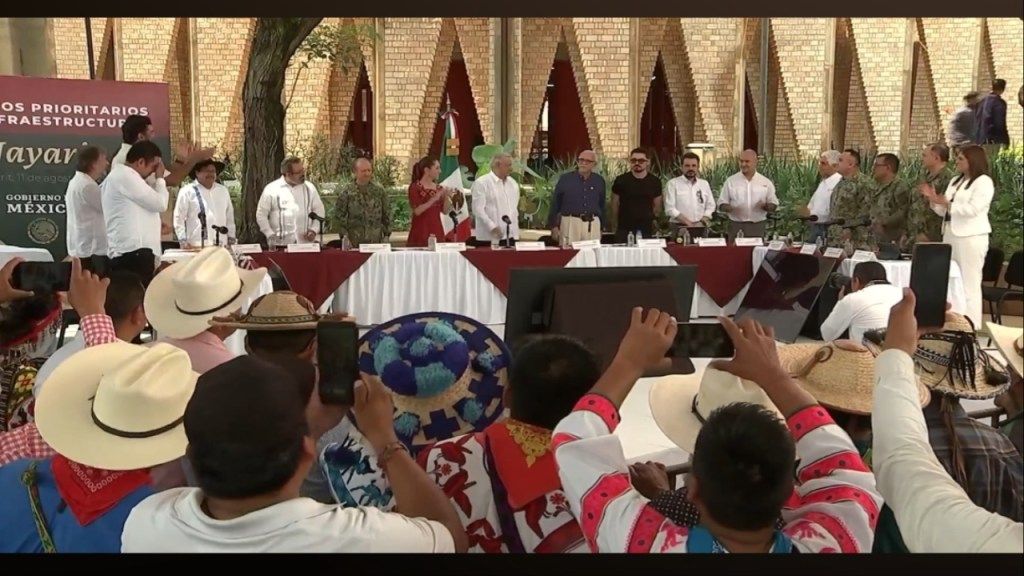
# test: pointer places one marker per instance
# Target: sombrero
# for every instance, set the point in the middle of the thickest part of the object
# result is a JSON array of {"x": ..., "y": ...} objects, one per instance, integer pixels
[
  {"x": 282, "y": 310},
  {"x": 952, "y": 362},
  {"x": 1009, "y": 341},
  {"x": 446, "y": 374},
  {"x": 840, "y": 374},
  {"x": 217, "y": 164},
  {"x": 681, "y": 404}
]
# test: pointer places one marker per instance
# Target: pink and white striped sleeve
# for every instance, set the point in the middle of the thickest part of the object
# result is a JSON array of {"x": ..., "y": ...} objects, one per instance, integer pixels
[
  {"x": 835, "y": 506},
  {"x": 614, "y": 517}
]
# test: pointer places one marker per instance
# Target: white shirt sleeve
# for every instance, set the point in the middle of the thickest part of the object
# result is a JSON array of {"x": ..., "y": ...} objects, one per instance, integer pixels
[
  {"x": 181, "y": 209},
  {"x": 670, "y": 200},
  {"x": 709, "y": 201},
  {"x": 140, "y": 193},
  {"x": 400, "y": 533},
  {"x": 484, "y": 222},
  {"x": 933, "y": 511},
  {"x": 91, "y": 195},
  {"x": 772, "y": 197},
  {"x": 263, "y": 209},
  {"x": 838, "y": 320},
  {"x": 725, "y": 197}
]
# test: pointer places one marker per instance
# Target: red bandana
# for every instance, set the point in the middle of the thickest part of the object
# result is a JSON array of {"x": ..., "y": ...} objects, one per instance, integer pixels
[
  {"x": 90, "y": 492},
  {"x": 523, "y": 460}
]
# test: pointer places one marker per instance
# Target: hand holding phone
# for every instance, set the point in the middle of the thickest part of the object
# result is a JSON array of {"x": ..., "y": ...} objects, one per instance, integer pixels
[
  {"x": 929, "y": 281},
  {"x": 338, "y": 360}
]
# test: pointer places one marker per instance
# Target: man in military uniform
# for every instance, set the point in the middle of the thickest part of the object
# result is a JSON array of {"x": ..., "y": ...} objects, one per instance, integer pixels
[
  {"x": 850, "y": 200},
  {"x": 890, "y": 201},
  {"x": 361, "y": 210},
  {"x": 923, "y": 224}
]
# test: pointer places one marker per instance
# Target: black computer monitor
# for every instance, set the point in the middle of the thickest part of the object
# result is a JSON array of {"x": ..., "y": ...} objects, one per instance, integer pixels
[
  {"x": 784, "y": 291},
  {"x": 531, "y": 289}
]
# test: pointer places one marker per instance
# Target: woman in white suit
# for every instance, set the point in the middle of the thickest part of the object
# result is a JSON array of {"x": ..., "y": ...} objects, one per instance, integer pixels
[{"x": 964, "y": 209}]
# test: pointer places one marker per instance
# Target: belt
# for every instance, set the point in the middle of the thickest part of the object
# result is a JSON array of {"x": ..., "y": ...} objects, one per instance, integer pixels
[{"x": 580, "y": 216}]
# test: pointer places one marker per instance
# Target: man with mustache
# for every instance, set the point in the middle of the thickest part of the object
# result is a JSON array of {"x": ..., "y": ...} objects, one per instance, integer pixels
[{"x": 688, "y": 198}]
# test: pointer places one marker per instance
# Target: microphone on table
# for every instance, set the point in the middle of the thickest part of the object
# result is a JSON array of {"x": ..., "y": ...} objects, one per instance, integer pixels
[
  {"x": 316, "y": 217},
  {"x": 508, "y": 229},
  {"x": 219, "y": 230},
  {"x": 811, "y": 218}
]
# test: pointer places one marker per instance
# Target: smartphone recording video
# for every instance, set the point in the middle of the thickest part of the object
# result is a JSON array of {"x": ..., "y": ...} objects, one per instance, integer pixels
[
  {"x": 929, "y": 279},
  {"x": 338, "y": 360}
]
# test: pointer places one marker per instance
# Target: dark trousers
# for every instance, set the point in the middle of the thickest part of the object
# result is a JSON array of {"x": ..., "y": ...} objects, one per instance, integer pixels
[
  {"x": 141, "y": 262},
  {"x": 750, "y": 229}
]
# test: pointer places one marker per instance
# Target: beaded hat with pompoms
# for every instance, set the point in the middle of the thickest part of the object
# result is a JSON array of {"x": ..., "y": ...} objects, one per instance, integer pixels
[{"x": 446, "y": 374}]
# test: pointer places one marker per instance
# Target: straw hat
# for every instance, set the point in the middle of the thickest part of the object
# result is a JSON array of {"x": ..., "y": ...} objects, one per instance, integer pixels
[
  {"x": 118, "y": 406},
  {"x": 446, "y": 374},
  {"x": 681, "y": 403},
  {"x": 283, "y": 310},
  {"x": 1010, "y": 342},
  {"x": 840, "y": 374},
  {"x": 181, "y": 300},
  {"x": 217, "y": 165},
  {"x": 948, "y": 361}
]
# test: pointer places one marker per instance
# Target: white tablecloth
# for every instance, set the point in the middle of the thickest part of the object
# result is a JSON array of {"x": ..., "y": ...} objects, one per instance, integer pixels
[
  {"x": 393, "y": 284},
  {"x": 8, "y": 253}
]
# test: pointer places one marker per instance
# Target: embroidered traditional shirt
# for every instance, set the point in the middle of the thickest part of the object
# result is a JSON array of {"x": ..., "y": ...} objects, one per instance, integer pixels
[
  {"x": 833, "y": 509},
  {"x": 505, "y": 487}
]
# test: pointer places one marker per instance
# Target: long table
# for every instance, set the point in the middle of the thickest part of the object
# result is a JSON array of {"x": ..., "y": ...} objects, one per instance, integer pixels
[{"x": 378, "y": 287}]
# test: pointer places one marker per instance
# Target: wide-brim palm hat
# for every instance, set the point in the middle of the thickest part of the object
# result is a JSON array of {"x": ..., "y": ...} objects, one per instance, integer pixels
[
  {"x": 1009, "y": 341},
  {"x": 446, "y": 374},
  {"x": 952, "y": 362}
]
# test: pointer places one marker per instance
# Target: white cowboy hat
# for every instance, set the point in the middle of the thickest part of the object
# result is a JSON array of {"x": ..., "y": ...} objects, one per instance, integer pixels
[
  {"x": 118, "y": 406},
  {"x": 181, "y": 300},
  {"x": 1009, "y": 341},
  {"x": 681, "y": 404}
]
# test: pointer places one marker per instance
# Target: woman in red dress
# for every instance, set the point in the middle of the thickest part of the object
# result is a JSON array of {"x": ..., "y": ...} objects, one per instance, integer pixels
[{"x": 427, "y": 200}]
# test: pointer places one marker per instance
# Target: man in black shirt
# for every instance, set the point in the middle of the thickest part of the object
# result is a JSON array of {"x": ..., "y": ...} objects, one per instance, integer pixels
[{"x": 636, "y": 198}]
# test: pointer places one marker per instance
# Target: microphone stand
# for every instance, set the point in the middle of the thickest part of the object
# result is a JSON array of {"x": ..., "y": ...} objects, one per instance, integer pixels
[
  {"x": 321, "y": 223},
  {"x": 203, "y": 235},
  {"x": 216, "y": 235}
]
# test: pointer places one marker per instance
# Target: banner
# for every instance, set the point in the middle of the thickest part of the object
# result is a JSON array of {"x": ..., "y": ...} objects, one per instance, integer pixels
[{"x": 43, "y": 123}]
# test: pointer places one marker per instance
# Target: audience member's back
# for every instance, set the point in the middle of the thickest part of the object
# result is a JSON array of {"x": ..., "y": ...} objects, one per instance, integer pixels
[
  {"x": 250, "y": 449},
  {"x": 506, "y": 475}
]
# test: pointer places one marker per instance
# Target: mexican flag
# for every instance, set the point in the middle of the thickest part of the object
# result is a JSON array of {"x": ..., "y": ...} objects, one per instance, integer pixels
[{"x": 459, "y": 228}]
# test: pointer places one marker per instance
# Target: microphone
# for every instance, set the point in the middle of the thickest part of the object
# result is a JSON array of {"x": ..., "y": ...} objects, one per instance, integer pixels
[
  {"x": 506, "y": 219},
  {"x": 220, "y": 229},
  {"x": 316, "y": 217},
  {"x": 837, "y": 222},
  {"x": 811, "y": 218}
]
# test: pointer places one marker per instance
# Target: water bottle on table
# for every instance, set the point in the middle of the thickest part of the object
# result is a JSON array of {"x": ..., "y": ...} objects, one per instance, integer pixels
[{"x": 432, "y": 242}]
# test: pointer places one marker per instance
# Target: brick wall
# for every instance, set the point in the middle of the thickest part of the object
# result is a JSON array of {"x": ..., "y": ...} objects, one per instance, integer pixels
[
  {"x": 156, "y": 50},
  {"x": 538, "y": 42},
  {"x": 410, "y": 45},
  {"x": 605, "y": 57},
  {"x": 880, "y": 43},
  {"x": 222, "y": 61},
  {"x": 710, "y": 43},
  {"x": 924, "y": 114},
  {"x": 70, "y": 51},
  {"x": 950, "y": 44},
  {"x": 679, "y": 80},
  {"x": 801, "y": 48},
  {"x": 478, "y": 52},
  {"x": 1005, "y": 39},
  {"x": 858, "y": 132},
  {"x": 433, "y": 97}
]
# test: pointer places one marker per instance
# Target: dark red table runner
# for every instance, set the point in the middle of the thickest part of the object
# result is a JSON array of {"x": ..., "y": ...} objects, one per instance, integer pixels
[
  {"x": 495, "y": 264},
  {"x": 722, "y": 271},
  {"x": 315, "y": 275}
]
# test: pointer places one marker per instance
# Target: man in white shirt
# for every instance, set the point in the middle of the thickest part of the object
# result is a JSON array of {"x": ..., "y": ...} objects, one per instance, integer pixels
[
  {"x": 866, "y": 307},
  {"x": 123, "y": 304},
  {"x": 933, "y": 511},
  {"x": 86, "y": 232},
  {"x": 748, "y": 197},
  {"x": 203, "y": 206},
  {"x": 496, "y": 195},
  {"x": 131, "y": 210},
  {"x": 250, "y": 459},
  {"x": 689, "y": 201},
  {"x": 283, "y": 212},
  {"x": 818, "y": 207}
]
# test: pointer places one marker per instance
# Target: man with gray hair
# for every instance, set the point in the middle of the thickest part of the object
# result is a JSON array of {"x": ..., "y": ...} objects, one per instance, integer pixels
[
  {"x": 362, "y": 211},
  {"x": 496, "y": 202},
  {"x": 818, "y": 207},
  {"x": 284, "y": 209},
  {"x": 748, "y": 197},
  {"x": 963, "y": 123}
]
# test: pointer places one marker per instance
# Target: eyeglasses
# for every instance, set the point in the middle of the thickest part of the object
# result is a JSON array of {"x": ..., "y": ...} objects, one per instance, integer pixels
[
  {"x": 585, "y": 161},
  {"x": 638, "y": 160}
]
